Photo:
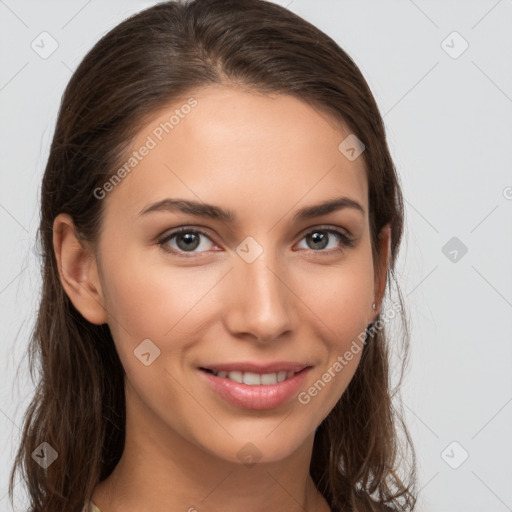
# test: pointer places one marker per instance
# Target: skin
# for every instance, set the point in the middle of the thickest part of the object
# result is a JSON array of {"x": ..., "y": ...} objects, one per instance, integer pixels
[{"x": 264, "y": 157}]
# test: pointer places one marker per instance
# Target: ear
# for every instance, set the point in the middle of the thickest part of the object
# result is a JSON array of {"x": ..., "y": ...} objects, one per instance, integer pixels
[
  {"x": 78, "y": 271},
  {"x": 381, "y": 271}
]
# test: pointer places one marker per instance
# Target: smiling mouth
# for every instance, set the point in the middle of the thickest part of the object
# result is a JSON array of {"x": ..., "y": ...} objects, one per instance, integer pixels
[{"x": 254, "y": 379}]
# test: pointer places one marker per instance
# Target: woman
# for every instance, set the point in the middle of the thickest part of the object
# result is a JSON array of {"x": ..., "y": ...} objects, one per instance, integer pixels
[{"x": 219, "y": 217}]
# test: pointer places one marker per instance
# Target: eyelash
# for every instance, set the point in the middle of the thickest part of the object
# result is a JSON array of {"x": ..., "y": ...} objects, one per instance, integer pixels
[{"x": 347, "y": 242}]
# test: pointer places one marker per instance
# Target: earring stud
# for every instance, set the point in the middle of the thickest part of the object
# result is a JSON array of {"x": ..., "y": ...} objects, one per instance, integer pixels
[{"x": 373, "y": 306}]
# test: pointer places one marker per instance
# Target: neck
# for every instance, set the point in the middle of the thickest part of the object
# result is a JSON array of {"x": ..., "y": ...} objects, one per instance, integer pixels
[{"x": 162, "y": 471}]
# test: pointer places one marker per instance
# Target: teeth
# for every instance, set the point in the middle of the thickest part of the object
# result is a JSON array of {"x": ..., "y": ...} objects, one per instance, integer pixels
[
  {"x": 282, "y": 376},
  {"x": 255, "y": 379}
]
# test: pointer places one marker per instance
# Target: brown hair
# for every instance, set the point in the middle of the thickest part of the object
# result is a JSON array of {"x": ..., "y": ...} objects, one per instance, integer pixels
[{"x": 140, "y": 66}]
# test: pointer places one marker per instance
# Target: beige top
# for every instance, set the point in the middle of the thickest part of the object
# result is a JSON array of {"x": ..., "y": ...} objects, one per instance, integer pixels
[{"x": 91, "y": 507}]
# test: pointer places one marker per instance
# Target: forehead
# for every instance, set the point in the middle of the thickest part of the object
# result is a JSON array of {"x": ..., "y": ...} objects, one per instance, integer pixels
[{"x": 221, "y": 144}]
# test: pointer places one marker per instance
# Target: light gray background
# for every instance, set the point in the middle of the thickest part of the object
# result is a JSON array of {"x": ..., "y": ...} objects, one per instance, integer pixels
[{"x": 449, "y": 127}]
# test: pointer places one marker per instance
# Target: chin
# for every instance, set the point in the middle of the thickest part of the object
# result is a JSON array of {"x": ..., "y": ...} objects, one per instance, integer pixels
[{"x": 258, "y": 445}]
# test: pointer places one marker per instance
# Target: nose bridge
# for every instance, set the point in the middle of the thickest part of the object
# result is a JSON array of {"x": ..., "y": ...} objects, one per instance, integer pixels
[{"x": 260, "y": 302}]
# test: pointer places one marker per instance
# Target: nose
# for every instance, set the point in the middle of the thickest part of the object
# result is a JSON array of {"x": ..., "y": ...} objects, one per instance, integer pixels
[{"x": 260, "y": 301}]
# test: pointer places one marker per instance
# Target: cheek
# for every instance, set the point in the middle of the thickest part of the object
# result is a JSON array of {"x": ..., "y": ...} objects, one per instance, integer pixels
[
  {"x": 147, "y": 299},
  {"x": 338, "y": 302},
  {"x": 339, "y": 299},
  {"x": 154, "y": 301}
]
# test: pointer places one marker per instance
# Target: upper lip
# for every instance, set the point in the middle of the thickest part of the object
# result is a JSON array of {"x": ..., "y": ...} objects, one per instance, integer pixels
[{"x": 247, "y": 366}]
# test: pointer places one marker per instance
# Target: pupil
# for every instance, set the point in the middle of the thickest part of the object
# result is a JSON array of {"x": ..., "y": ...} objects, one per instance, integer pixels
[
  {"x": 190, "y": 243},
  {"x": 318, "y": 238}
]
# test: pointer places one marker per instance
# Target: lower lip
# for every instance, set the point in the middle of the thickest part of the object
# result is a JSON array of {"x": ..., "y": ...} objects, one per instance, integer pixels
[{"x": 258, "y": 396}]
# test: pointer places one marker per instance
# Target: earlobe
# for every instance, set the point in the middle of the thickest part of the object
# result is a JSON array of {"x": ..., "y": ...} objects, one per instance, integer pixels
[{"x": 78, "y": 271}]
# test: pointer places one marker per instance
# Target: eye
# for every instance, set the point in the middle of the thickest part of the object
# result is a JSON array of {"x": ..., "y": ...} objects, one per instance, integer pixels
[
  {"x": 319, "y": 240},
  {"x": 187, "y": 240}
]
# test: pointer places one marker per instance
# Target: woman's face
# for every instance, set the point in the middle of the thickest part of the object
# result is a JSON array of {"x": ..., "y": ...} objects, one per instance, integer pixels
[{"x": 266, "y": 286}]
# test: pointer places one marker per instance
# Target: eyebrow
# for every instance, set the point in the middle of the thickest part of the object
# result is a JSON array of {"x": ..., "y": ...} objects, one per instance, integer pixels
[{"x": 211, "y": 211}]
